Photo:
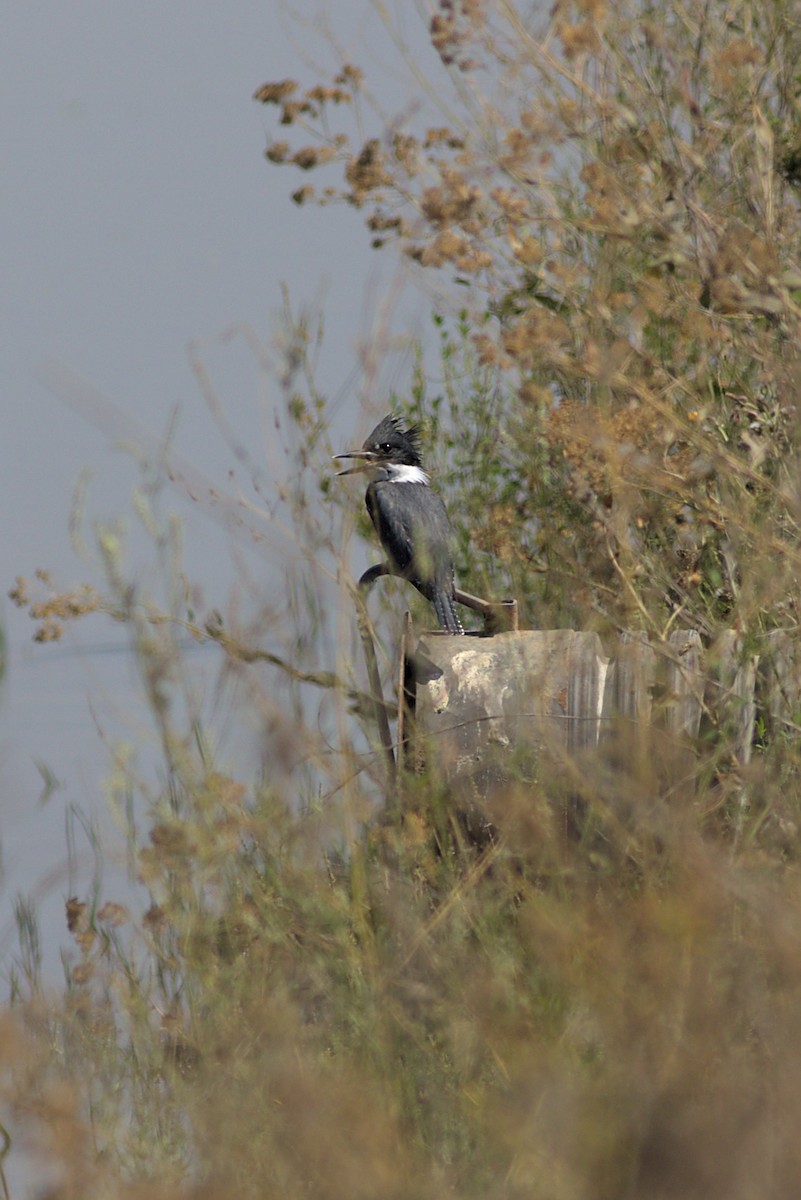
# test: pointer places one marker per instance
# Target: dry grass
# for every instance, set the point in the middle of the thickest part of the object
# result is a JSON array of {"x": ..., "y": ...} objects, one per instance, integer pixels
[
  {"x": 603, "y": 1015},
  {"x": 322, "y": 1003}
]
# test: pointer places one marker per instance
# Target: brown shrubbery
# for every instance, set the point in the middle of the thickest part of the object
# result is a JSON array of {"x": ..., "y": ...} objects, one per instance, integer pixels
[
  {"x": 622, "y": 199},
  {"x": 317, "y": 1004}
]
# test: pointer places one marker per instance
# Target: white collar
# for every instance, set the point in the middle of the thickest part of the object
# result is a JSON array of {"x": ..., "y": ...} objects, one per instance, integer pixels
[{"x": 400, "y": 473}]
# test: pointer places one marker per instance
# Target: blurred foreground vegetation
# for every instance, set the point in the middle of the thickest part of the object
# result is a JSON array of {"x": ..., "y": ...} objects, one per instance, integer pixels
[{"x": 329, "y": 995}]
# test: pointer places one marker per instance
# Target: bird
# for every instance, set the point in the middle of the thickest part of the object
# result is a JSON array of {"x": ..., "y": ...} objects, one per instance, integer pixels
[{"x": 409, "y": 516}]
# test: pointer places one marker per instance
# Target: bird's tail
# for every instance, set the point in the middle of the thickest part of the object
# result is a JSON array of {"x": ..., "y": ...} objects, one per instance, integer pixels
[{"x": 446, "y": 612}]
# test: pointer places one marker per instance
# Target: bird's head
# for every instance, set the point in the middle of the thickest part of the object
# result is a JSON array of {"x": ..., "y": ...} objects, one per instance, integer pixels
[{"x": 389, "y": 445}]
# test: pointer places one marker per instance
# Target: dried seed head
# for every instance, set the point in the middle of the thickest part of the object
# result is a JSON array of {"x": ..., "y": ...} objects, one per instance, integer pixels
[
  {"x": 443, "y": 135},
  {"x": 293, "y": 109},
  {"x": 407, "y": 152},
  {"x": 312, "y": 156},
  {"x": 514, "y": 206},
  {"x": 77, "y": 915},
  {"x": 321, "y": 96},
  {"x": 277, "y": 152},
  {"x": 350, "y": 75},
  {"x": 275, "y": 93},
  {"x": 367, "y": 172}
]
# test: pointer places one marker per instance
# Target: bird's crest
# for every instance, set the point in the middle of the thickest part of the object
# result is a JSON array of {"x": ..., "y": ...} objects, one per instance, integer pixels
[{"x": 392, "y": 429}]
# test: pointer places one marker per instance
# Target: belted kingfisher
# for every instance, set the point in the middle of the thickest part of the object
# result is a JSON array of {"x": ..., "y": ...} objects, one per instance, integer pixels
[{"x": 408, "y": 515}]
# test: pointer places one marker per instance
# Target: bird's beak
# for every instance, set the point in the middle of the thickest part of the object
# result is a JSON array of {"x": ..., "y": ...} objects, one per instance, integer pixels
[{"x": 366, "y": 455}]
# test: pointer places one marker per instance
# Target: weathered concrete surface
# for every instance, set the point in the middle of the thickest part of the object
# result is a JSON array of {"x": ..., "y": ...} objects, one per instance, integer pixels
[
  {"x": 478, "y": 700},
  {"x": 487, "y": 708}
]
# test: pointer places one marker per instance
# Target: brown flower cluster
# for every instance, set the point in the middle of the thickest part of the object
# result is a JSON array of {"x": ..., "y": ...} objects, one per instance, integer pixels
[
  {"x": 632, "y": 231},
  {"x": 57, "y": 607}
]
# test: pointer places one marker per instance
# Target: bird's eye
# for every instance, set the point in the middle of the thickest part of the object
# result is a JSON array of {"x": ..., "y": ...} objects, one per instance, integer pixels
[{"x": 385, "y": 447}]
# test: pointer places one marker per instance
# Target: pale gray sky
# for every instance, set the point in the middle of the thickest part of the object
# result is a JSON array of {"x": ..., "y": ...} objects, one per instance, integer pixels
[{"x": 139, "y": 214}]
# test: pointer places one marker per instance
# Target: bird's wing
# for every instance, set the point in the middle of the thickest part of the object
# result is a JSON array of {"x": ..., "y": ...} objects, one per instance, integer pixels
[
  {"x": 391, "y": 525},
  {"x": 413, "y": 538}
]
